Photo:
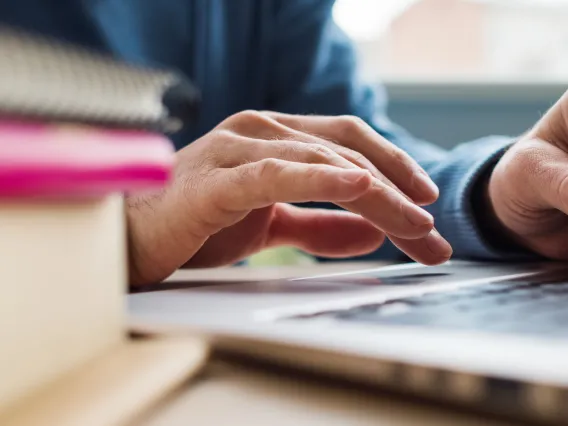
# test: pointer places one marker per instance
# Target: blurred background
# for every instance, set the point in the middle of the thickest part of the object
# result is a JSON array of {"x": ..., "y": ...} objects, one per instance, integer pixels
[{"x": 456, "y": 70}]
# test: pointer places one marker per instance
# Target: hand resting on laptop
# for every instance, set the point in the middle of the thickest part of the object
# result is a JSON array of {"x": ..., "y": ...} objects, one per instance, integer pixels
[{"x": 227, "y": 199}]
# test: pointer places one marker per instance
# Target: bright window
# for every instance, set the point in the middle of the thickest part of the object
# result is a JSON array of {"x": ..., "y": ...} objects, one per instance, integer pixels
[{"x": 444, "y": 40}]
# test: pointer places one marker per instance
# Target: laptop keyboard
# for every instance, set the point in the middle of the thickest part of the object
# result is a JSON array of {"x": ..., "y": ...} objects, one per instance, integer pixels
[{"x": 503, "y": 307}]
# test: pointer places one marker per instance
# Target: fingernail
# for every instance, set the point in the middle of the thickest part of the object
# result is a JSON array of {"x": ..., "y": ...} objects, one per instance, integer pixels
[
  {"x": 354, "y": 176},
  {"x": 424, "y": 181},
  {"x": 416, "y": 216},
  {"x": 438, "y": 245}
]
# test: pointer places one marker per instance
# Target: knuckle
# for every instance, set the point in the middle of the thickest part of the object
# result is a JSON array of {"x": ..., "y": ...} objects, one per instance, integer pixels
[
  {"x": 245, "y": 175},
  {"x": 220, "y": 151},
  {"x": 267, "y": 168},
  {"x": 266, "y": 180},
  {"x": 314, "y": 173},
  {"x": 352, "y": 121},
  {"x": 290, "y": 151},
  {"x": 248, "y": 114},
  {"x": 399, "y": 156},
  {"x": 320, "y": 153},
  {"x": 252, "y": 116},
  {"x": 381, "y": 190},
  {"x": 248, "y": 184},
  {"x": 223, "y": 135},
  {"x": 355, "y": 157},
  {"x": 247, "y": 120},
  {"x": 350, "y": 125}
]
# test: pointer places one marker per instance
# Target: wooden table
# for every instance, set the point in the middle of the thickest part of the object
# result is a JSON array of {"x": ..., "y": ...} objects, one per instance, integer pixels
[{"x": 237, "y": 395}]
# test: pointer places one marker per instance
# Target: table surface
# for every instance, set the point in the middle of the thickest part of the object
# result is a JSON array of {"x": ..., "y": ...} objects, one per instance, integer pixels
[
  {"x": 236, "y": 394},
  {"x": 233, "y": 394}
]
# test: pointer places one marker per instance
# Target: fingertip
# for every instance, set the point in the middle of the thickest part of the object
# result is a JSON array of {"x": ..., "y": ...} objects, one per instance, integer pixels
[
  {"x": 425, "y": 191},
  {"x": 434, "y": 260},
  {"x": 438, "y": 245},
  {"x": 418, "y": 224},
  {"x": 430, "y": 251},
  {"x": 423, "y": 199}
]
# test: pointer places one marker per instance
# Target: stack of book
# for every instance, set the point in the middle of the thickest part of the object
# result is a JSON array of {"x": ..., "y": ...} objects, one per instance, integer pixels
[{"x": 77, "y": 130}]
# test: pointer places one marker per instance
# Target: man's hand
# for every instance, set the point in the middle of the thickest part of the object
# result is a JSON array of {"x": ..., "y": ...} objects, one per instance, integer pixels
[
  {"x": 228, "y": 194},
  {"x": 529, "y": 187}
]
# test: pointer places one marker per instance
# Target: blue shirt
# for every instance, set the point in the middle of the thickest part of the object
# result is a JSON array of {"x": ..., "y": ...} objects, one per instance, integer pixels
[{"x": 282, "y": 55}]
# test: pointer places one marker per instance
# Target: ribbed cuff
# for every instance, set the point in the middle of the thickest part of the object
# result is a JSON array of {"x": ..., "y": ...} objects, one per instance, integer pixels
[{"x": 456, "y": 219}]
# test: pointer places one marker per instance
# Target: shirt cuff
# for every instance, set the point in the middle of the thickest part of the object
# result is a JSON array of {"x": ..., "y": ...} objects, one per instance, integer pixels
[{"x": 457, "y": 219}]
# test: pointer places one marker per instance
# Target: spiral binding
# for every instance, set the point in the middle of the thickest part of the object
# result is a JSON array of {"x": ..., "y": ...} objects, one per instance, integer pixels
[{"x": 41, "y": 77}]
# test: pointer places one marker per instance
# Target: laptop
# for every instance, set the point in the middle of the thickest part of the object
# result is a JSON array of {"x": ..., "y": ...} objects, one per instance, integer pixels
[{"x": 487, "y": 336}]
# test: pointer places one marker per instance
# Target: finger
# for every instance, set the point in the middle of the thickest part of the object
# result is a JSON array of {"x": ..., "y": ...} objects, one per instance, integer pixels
[
  {"x": 430, "y": 250},
  {"x": 322, "y": 232},
  {"x": 263, "y": 183},
  {"x": 246, "y": 146},
  {"x": 384, "y": 206},
  {"x": 253, "y": 150},
  {"x": 275, "y": 180},
  {"x": 387, "y": 209},
  {"x": 356, "y": 159},
  {"x": 274, "y": 132},
  {"x": 351, "y": 158},
  {"x": 354, "y": 133}
]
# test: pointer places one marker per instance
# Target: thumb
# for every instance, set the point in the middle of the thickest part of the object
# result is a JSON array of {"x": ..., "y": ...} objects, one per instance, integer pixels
[
  {"x": 541, "y": 169},
  {"x": 553, "y": 126},
  {"x": 322, "y": 232},
  {"x": 529, "y": 192}
]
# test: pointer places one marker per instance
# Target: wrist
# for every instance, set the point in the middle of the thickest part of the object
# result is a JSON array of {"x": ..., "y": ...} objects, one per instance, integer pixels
[
  {"x": 135, "y": 273},
  {"x": 147, "y": 256}
]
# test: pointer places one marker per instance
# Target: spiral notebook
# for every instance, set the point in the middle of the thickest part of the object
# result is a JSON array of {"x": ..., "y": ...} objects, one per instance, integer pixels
[{"x": 47, "y": 79}]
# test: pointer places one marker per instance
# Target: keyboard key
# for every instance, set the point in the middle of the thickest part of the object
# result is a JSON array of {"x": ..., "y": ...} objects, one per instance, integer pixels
[
  {"x": 556, "y": 288},
  {"x": 508, "y": 307},
  {"x": 513, "y": 307}
]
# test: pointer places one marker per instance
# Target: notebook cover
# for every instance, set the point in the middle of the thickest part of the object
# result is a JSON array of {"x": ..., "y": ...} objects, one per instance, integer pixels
[{"x": 49, "y": 159}]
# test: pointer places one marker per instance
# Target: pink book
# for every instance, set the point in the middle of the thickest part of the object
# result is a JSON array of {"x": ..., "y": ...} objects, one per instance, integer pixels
[{"x": 62, "y": 160}]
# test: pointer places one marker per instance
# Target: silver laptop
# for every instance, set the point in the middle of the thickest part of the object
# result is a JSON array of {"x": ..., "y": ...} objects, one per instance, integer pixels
[{"x": 493, "y": 337}]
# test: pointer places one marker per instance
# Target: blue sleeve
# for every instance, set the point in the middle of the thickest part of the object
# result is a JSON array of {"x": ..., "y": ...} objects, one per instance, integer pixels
[{"x": 314, "y": 72}]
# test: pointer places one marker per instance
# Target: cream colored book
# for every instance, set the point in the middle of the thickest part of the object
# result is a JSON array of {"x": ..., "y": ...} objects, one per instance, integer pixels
[
  {"x": 62, "y": 279},
  {"x": 65, "y": 359}
]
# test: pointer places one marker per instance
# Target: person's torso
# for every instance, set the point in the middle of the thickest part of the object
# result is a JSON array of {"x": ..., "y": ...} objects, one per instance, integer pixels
[{"x": 221, "y": 45}]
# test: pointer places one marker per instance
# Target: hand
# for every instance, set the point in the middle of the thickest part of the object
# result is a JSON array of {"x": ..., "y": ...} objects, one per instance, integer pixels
[
  {"x": 226, "y": 200},
  {"x": 528, "y": 188}
]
